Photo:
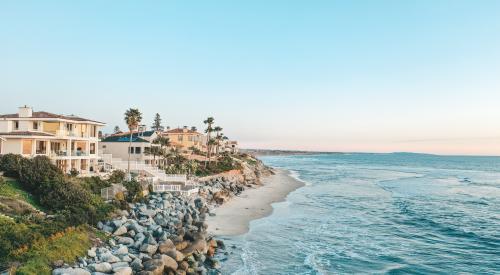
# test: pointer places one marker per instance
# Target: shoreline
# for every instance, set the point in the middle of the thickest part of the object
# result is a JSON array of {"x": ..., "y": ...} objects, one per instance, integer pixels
[{"x": 233, "y": 218}]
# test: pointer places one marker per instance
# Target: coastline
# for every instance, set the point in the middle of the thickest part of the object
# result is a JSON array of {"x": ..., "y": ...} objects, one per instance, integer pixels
[{"x": 233, "y": 218}]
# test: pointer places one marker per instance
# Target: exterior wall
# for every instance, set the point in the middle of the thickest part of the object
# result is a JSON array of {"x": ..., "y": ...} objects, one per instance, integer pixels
[
  {"x": 120, "y": 150},
  {"x": 12, "y": 146}
]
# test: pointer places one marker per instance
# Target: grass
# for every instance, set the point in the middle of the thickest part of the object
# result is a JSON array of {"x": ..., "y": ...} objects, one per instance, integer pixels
[
  {"x": 12, "y": 189},
  {"x": 66, "y": 246}
]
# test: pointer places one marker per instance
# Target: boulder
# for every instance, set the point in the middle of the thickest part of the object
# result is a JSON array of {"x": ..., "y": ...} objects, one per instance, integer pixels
[
  {"x": 169, "y": 263},
  {"x": 70, "y": 271},
  {"x": 124, "y": 271},
  {"x": 174, "y": 254},
  {"x": 136, "y": 264},
  {"x": 110, "y": 258},
  {"x": 100, "y": 267},
  {"x": 125, "y": 240},
  {"x": 119, "y": 265},
  {"x": 149, "y": 248},
  {"x": 166, "y": 246},
  {"x": 120, "y": 231},
  {"x": 92, "y": 252},
  {"x": 122, "y": 250}
]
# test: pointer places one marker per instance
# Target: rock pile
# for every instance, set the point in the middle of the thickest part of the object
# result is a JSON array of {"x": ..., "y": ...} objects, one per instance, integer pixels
[{"x": 165, "y": 235}]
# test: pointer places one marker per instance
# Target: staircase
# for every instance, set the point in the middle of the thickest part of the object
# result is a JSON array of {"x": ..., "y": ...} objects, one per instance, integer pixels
[{"x": 155, "y": 175}]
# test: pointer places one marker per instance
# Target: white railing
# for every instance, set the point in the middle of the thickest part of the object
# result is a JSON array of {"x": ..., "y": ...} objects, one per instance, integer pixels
[{"x": 166, "y": 188}]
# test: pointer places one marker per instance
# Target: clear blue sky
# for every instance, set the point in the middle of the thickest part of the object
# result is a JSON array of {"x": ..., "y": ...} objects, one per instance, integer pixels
[{"x": 378, "y": 76}]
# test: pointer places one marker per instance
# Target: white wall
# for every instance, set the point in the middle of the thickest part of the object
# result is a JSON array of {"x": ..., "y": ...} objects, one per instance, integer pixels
[
  {"x": 12, "y": 146},
  {"x": 120, "y": 150}
]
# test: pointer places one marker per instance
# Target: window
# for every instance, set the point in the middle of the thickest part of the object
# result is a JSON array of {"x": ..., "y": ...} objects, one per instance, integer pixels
[
  {"x": 179, "y": 138},
  {"x": 41, "y": 147},
  {"x": 16, "y": 125},
  {"x": 35, "y": 126},
  {"x": 131, "y": 150},
  {"x": 92, "y": 148},
  {"x": 137, "y": 150}
]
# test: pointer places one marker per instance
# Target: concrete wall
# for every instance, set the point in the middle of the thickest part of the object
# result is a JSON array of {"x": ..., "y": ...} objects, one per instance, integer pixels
[{"x": 120, "y": 150}]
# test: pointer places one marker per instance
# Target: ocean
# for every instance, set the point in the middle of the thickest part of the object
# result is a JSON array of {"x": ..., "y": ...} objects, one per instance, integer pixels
[{"x": 377, "y": 214}]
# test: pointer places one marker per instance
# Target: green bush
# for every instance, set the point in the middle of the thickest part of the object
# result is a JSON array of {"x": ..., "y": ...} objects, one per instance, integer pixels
[
  {"x": 134, "y": 191},
  {"x": 94, "y": 184},
  {"x": 39, "y": 174},
  {"x": 9, "y": 164},
  {"x": 117, "y": 176}
]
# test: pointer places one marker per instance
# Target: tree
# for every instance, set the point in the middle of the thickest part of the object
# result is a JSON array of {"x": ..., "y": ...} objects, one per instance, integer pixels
[
  {"x": 163, "y": 142},
  {"x": 209, "y": 122},
  {"x": 133, "y": 118},
  {"x": 157, "y": 123},
  {"x": 193, "y": 128},
  {"x": 218, "y": 138},
  {"x": 153, "y": 151},
  {"x": 117, "y": 129}
]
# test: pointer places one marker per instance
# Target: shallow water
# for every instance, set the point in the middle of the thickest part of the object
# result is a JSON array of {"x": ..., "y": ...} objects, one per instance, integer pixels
[{"x": 377, "y": 214}]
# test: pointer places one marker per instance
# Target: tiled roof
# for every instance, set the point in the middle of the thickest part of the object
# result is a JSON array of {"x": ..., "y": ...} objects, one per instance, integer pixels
[
  {"x": 51, "y": 115},
  {"x": 26, "y": 133},
  {"x": 180, "y": 131}
]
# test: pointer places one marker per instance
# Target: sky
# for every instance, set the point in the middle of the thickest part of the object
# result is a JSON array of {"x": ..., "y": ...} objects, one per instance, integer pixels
[{"x": 352, "y": 76}]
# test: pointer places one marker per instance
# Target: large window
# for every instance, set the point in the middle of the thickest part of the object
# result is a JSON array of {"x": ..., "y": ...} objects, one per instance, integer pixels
[
  {"x": 41, "y": 147},
  {"x": 137, "y": 150},
  {"x": 179, "y": 138},
  {"x": 35, "y": 125},
  {"x": 92, "y": 148},
  {"x": 16, "y": 125}
]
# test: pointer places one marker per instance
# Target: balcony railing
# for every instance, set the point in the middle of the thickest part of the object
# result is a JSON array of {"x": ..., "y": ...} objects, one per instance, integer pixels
[{"x": 66, "y": 133}]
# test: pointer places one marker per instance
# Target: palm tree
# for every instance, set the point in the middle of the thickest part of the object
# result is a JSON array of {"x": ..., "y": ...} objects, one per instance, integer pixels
[
  {"x": 132, "y": 118},
  {"x": 117, "y": 129},
  {"x": 211, "y": 143},
  {"x": 153, "y": 151},
  {"x": 209, "y": 121},
  {"x": 163, "y": 142},
  {"x": 218, "y": 137}
]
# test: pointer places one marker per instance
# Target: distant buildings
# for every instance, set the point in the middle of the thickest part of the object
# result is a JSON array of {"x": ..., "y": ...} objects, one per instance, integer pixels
[{"x": 70, "y": 141}]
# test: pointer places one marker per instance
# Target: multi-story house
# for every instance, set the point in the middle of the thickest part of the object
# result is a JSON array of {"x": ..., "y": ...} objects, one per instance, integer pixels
[
  {"x": 69, "y": 141},
  {"x": 185, "y": 139},
  {"x": 118, "y": 145}
]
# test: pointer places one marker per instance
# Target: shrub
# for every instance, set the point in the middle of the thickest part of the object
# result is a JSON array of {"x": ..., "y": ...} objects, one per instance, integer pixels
[
  {"x": 134, "y": 191},
  {"x": 38, "y": 174},
  {"x": 9, "y": 164},
  {"x": 94, "y": 184},
  {"x": 117, "y": 176}
]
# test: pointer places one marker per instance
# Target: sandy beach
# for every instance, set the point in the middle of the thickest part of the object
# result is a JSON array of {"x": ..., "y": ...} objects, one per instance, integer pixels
[{"x": 233, "y": 218}]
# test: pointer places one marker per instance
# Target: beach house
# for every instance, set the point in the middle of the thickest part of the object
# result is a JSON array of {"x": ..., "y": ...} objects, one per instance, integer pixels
[
  {"x": 118, "y": 146},
  {"x": 71, "y": 142},
  {"x": 185, "y": 139}
]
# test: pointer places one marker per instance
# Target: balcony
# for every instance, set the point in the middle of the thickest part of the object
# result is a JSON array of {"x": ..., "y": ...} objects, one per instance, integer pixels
[{"x": 66, "y": 133}]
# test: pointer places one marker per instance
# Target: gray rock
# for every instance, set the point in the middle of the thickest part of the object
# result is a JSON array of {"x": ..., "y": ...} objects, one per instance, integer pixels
[
  {"x": 92, "y": 252},
  {"x": 124, "y": 271},
  {"x": 100, "y": 267},
  {"x": 110, "y": 258},
  {"x": 120, "y": 231},
  {"x": 125, "y": 240},
  {"x": 149, "y": 248},
  {"x": 70, "y": 271},
  {"x": 119, "y": 265},
  {"x": 122, "y": 250},
  {"x": 136, "y": 264}
]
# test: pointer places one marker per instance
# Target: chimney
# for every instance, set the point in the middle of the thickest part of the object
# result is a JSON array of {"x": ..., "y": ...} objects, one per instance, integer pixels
[{"x": 25, "y": 111}]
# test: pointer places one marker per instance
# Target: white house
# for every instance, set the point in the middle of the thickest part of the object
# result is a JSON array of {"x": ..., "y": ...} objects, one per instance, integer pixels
[
  {"x": 69, "y": 141},
  {"x": 118, "y": 146}
]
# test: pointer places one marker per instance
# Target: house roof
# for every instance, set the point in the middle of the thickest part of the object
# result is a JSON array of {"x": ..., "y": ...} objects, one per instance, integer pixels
[
  {"x": 53, "y": 116},
  {"x": 135, "y": 134},
  {"x": 180, "y": 131},
  {"x": 124, "y": 138},
  {"x": 26, "y": 133}
]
